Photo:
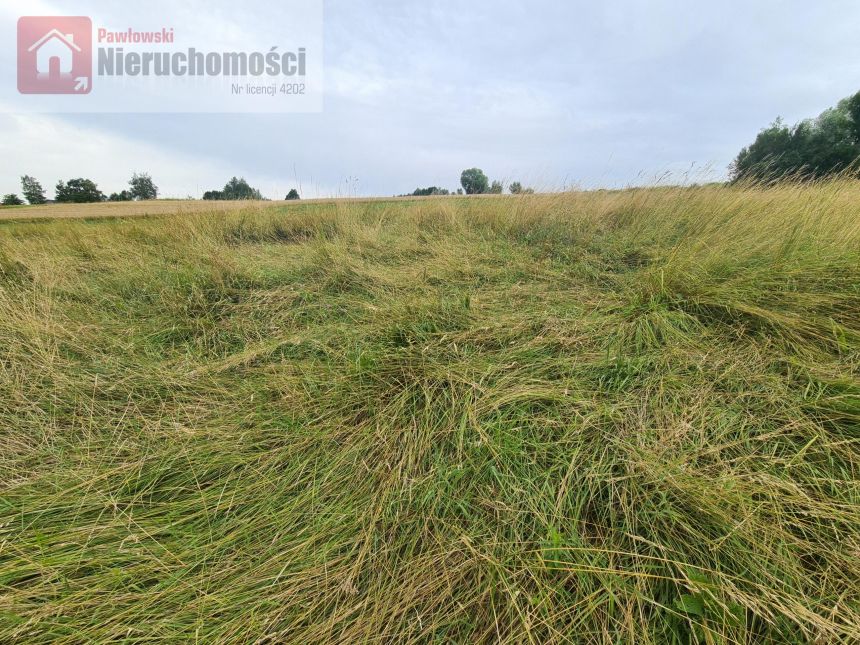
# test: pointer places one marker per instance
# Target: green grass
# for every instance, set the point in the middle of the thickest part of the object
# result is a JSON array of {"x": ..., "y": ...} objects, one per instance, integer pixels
[{"x": 589, "y": 418}]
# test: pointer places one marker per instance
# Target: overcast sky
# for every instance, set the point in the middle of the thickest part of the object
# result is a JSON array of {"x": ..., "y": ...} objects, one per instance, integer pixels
[{"x": 553, "y": 93}]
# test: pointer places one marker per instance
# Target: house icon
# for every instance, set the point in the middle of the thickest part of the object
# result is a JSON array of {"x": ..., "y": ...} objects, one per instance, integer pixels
[
  {"x": 55, "y": 46},
  {"x": 55, "y": 55}
]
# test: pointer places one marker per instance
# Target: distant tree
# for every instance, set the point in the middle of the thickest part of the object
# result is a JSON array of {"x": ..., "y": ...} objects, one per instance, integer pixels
[
  {"x": 12, "y": 200},
  {"x": 238, "y": 188},
  {"x": 32, "y": 190},
  {"x": 293, "y": 195},
  {"x": 123, "y": 196},
  {"x": 852, "y": 107},
  {"x": 235, "y": 189},
  {"x": 496, "y": 188},
  {"x": 517, "y": 188},
  {"x": 431, "y": 191},
  {"x": 474, "y": 181},
  {"x": 814, "y": 148},
  {"x": 459, "y": 191},
  {"x": 78, "y": 191},
  {"x": 142, "y": 187}
]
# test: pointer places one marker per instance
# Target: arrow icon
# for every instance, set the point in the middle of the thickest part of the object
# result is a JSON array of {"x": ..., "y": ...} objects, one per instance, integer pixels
[{"x": 82, "y": 84}]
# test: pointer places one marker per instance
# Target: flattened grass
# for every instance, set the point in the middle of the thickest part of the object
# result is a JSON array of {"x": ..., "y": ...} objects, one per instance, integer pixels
[{"x": 590, "y": 418}]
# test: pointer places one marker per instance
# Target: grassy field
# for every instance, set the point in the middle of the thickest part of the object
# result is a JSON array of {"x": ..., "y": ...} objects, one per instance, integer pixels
[
  {"x": 620, "y": 417},
  {"x": 177, "y": 207},
  {"x": 124, "y": 209}
]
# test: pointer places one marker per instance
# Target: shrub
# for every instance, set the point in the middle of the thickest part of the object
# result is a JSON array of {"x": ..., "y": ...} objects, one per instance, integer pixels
[
  {"x": 12, "y": 200},
  {"x": 517, "y": 188},
  {"x": 429, "y": 192}
]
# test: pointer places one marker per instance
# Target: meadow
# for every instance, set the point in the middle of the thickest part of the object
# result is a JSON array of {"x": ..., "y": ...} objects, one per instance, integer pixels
[{"x": 593, "y": 417}]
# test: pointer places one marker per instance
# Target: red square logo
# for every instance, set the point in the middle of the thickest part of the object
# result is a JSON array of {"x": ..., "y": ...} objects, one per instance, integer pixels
[{"x": 55, "y": 55}]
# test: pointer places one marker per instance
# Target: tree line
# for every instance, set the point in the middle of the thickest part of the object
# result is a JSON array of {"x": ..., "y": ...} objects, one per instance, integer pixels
[
  {"x": 812, "y": 149},
  {"x": 82, "y": 191},
  {"x": 238, "y": 189},
  {"x": 474, "y": 181},
  {"x": 141, "y": 187}
]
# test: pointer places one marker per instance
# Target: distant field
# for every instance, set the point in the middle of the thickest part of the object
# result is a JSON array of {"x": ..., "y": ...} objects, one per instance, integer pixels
[
  {"x": 621, "y": 417},
  {"x": 171, "y": 207},
  {"x": 114, "y": 209},
  {"x": 127, "y": 209}
]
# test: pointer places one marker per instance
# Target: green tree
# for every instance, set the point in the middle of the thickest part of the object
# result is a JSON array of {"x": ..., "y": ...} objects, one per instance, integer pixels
[
  {"x": 852, "y": 108},
  {"x": 12, "y": 200},
  {"x": 497, "y": 188},
  {"x": 32, "y": 190},
  {"x": 293, "y": 195},
  {"x": 235, "y": 189},
  {"x": 474, "y": 181},
  {"x": 123, "y": 196},
  {"x": 431, "y": 191},
  {"x": 814, "y": 148},
  {"x": 142, "y": 187},
  {"x": 517, "y": 188},
  {"x": 78, "y": 191},
  {"x": 238, "y": 188}
]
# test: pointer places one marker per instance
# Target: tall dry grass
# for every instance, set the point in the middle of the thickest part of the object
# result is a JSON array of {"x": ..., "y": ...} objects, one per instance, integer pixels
[{"x": 592, "y": 418}]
